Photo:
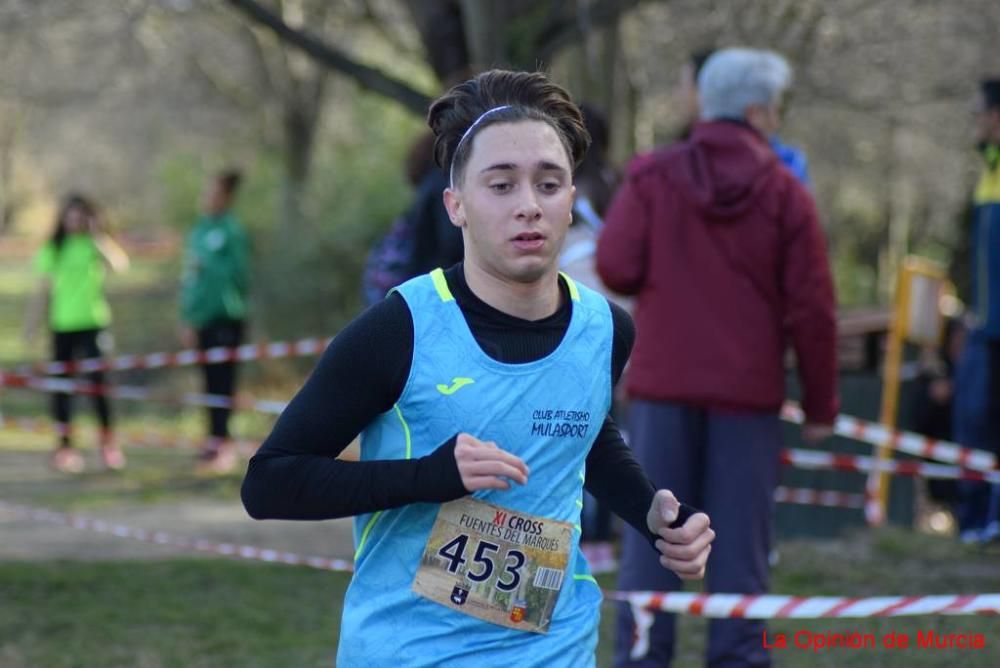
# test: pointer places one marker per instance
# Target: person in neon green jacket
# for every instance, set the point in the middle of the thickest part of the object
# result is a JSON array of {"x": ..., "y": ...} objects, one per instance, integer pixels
[
  {"x": 214, "y": 286},
  {"x": 72, "y": 265}
]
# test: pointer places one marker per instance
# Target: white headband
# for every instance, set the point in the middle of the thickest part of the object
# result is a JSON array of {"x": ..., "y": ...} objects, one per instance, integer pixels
[{"x": 451, "y": 170}]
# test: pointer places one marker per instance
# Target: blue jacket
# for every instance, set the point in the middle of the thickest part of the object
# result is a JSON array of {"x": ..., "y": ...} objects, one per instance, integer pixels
[{"x": 793, "y": 158}]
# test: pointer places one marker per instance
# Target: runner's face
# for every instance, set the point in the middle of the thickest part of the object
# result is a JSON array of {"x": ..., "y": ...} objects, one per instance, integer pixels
[
  {"x": 76, "y": 220},
  {"x": 515, "y": 200},
  {"x": 215, "y": 199}
]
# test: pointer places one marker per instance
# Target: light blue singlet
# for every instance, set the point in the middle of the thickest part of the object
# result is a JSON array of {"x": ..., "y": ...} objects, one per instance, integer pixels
[{"x": 384, "y": 622}]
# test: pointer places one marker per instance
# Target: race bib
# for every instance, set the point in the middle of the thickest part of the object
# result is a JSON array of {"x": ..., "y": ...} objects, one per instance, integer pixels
[{"x": 495, "y": 564}]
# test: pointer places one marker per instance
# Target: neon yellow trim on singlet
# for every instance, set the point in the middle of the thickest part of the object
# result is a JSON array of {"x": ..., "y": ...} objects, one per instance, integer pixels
[
  {"x": 574, "y": 292},
  {"x": 406, "y": 430},
  {"x": 588, "y": 578},
  {"x": 409, "y": 454},
  {"x": 364, "y": 534},
  {"x": 441, "y": 285}
]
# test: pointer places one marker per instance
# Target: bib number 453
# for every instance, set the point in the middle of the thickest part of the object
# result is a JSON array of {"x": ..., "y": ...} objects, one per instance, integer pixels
[{"x": 483, "y": 563}]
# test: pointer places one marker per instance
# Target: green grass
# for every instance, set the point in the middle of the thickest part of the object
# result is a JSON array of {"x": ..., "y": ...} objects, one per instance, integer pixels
[
  {"x": 183, "y": 612},
  {"x": 215, "y": 612}
]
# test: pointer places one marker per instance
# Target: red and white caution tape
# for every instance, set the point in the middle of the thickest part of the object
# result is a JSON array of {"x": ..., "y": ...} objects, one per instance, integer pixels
[
  {"x": 162, "y": 538},
  {"x": 845, "y": 425},
  {"x": 769, "y": 606},
  {"x": 797, "y": 495},
  {"x": 772, "y": 606},
  {"x": 814, "y": 459},
  {"x": 903, "y": 441},
  {"x": 818, "y": 497},
  {"x": 189, "y": 357}
]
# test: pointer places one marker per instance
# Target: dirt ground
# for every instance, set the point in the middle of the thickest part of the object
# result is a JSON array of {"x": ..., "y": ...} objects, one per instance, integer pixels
[{"x": 210, "y": 519}]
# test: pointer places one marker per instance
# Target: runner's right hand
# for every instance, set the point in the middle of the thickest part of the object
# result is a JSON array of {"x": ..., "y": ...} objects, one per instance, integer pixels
[{"x": 483, "y": 465}]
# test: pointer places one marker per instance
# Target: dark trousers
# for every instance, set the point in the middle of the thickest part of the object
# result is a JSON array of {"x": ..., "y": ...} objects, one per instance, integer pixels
[
  {"x": 977, "y": 425},
  {"x": 66, "y": 347},
  {"x": 993, "y": 425},
  {"x": 220, "y": 377},
  {"x": 726, "y": 464},
  {"x": 993, "y": 396}
]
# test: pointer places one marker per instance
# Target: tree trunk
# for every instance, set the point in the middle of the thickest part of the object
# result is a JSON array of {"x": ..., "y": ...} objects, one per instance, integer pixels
[
  {"x": 485, "y": 29},
  {"x": 443, "y": 35},
  {"x": 623, "y": 109},
  {"x": 302, "y": 106}
]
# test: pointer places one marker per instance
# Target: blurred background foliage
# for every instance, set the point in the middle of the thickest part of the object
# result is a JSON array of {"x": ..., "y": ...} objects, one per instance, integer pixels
[{"x": 137, "y": 101}]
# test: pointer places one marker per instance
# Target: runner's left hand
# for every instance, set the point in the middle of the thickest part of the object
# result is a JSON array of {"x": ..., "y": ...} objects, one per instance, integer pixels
[{"x": 683, "y": 550}]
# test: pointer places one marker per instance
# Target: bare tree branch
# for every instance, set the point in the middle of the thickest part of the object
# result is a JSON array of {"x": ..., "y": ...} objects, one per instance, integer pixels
[{"x": 367, "y": 77}]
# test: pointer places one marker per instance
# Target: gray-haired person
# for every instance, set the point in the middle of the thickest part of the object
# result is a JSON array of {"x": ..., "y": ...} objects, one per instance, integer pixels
[{"x": 723, "y": 248}]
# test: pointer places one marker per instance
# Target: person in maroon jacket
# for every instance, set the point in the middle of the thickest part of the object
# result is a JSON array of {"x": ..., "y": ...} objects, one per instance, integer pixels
[{"x": 722, "y": 247}]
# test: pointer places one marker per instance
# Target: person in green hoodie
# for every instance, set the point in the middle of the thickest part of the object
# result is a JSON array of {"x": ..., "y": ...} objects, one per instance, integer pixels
[
  {"x": 72, "y": 265},
  {"x": 214, "y": 285}
]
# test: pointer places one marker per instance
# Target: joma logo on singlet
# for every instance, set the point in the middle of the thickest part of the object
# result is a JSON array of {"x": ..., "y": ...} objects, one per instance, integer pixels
[{"x": 457, "y": 384}]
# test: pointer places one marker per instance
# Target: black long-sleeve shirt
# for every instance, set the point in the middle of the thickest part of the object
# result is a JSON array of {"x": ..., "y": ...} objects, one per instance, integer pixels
[{"x": 362, "y": 374}]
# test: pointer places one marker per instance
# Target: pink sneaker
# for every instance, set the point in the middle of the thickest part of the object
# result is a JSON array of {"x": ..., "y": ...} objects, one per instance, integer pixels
[
  {"x": 67, "y": 460},
  {"x": 217, "y": 461},
  {"x": 112, "y": 457}
]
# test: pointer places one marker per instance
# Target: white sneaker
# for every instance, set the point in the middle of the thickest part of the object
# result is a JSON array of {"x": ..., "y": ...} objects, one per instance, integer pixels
[
  {"x": 970, "y": 537},
  {"x": 990, "y": 533}
]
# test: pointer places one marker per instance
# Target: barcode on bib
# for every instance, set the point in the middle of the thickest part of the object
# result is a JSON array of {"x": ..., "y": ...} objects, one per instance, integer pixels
[{"x": 548, "y": 578}]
